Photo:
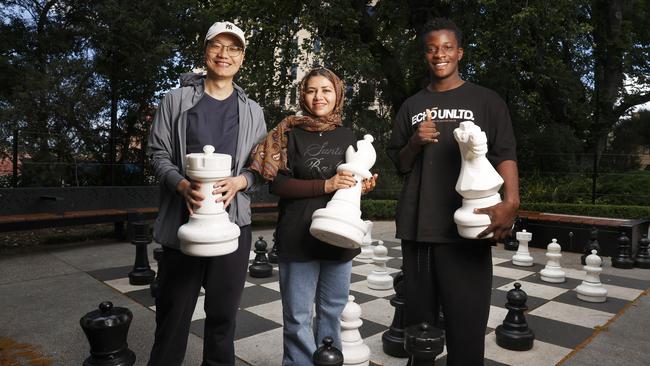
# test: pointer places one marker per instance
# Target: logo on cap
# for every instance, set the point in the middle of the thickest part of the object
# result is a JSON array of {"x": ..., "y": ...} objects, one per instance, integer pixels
[{"x": 228, "y": 26}]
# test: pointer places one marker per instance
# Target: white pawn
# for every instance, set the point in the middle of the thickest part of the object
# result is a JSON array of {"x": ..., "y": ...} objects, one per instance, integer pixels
[
  {"x": 553, "y": 272},
  {"x": 366, "y": 243},
  {"x": 355, "y": 352},
  {"x": 522, "y": 258},
  {"x": 379, "y": 279},
  {"x": 591, "y": 289}
]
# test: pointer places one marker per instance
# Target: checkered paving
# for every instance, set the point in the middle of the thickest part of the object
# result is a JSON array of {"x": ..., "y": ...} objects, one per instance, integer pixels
[{"x": 559, "y": 319}]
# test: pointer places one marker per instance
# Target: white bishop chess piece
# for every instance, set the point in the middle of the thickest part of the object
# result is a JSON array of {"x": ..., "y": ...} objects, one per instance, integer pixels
[
  {"x": 355, "y": 352},
  {"x": 379, "y": 279},
  {"x": 553, "y": 272},
  {"x": 366, "y": 243},
  {"x": 523, "y": 258},
  {"x": 208, "y": 232},
  {"x": 339, "y": 223},
  {"x": 478, "y": 182},
  {"x": 591, "y": 289}
]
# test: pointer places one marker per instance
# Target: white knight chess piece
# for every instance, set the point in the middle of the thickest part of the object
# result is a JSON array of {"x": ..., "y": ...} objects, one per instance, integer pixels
[
  {"x": 366, "y": 243},
  {"x": 339, "y": 223},
  {"x": 209, "y": 232},
  {"x": 478, "y": 182}
]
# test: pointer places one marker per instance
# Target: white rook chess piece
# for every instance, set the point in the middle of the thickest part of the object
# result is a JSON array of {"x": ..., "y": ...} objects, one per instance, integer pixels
[
  {"x": 591, "y": 290},
  {"x": 478, "y": 182},
  {"x": 366, "y": 243},
  {"x": 522, "y": 258},
  {"x": 355, "y": 352},
  {"x": 208, "y": 232},
  {"x": 553, "y": 272},
  {"x": 379, "y": 279},
  {"x": 339, "y": 223}
]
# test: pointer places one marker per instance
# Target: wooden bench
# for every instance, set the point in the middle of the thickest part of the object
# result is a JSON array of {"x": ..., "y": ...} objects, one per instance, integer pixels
[{"x": 573, "y": 231}]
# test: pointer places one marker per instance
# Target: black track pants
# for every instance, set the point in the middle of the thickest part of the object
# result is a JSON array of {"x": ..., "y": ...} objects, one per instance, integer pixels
[
  {"x": 180, "y": 282},
  {"x": 458, "y": 277}
]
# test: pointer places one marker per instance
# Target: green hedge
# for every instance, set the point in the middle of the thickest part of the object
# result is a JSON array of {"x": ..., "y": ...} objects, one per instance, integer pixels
[{"x": 385, "y": 209}]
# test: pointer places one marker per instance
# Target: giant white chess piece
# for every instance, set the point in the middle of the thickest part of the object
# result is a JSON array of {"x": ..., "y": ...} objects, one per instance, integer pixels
[
  {"x": 553, "y": 272},
  {"x": 523, "y": 258},
  {"x": 591, "y": 289},
  {"x": 478, "y": 182},
  {"x": 208, "y": 232},
  {"x": 355, "y": 352},
  {"x": 366, "y": 243},
  {"x": 339, "y": 223}
]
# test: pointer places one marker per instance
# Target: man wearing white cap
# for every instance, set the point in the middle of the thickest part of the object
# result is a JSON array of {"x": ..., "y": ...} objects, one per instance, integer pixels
[{"x": 205, "y": 110}]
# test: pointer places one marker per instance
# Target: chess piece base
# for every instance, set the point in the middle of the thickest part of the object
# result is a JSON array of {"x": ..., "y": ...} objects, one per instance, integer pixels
[
  {"x": 515, "y": 340},
  {"x": 624, "y": 263},
  {"x": 643, "y": 263},
  {"x": 393, "y": 343},
  {"x": 125, "y": 357},
  {"x": 260, "y": 271},
  {"x": 591, "y": 293},
  {"x": 468, "y": 223},
  {"x": 209, "y": 235},
  {"x": 552, "y": 276},
  {"x": 141, "y": 278},
  {"x": 378, "y": 281},
  {"x": 522, "y": 260},
  {"x": 337, "y": 230}
]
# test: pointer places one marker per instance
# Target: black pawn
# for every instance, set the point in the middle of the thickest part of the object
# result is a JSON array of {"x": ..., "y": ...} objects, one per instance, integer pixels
[
  {"x": 514, "y": 333},
  {"x": 273, "y": 254},
  {"x": 106, "y": 330},
  {"x": 642, "y": 259},
  {"x": 592, "y": 244},
  {"x": 393, "y": 339},
  {"x": 423, "y": 343},
  {"x": 327, "y": 354},
  {"x": 623, "y": 258},
  {"x": 155, "y": 285},
  {"x": 261, "y": 267},
  {"x": 142, "y": 274},
  {"x": 511, "y": 242}
]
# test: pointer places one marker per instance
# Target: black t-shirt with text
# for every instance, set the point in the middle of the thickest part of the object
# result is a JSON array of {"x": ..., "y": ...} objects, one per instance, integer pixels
[
  {"x": 428, "y": 199},
  {"x": 310, "y": 155}
]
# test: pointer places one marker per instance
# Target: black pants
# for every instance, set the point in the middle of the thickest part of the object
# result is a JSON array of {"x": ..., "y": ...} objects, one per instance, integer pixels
[
  {"x": 458, "y": 277},
  {"x": 181, "y": 279}
]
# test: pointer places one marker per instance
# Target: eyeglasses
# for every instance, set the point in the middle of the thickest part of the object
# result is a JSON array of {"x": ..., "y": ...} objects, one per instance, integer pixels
[
  {"x": 446, "y": 49},
  {"x": 233, "y": 50}
]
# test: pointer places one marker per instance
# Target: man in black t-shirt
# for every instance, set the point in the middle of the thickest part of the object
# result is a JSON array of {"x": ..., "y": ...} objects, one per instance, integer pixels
[{"x": 441, "y": 269}]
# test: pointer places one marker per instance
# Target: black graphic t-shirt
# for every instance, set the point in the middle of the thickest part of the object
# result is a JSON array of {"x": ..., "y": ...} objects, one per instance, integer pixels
[
  {"x": 428, "y": 199},
  {"x": 311, "y": 155}
]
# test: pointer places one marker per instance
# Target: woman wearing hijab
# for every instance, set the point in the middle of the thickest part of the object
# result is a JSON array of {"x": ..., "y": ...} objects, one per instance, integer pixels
[{"x": 299, "y": 157}]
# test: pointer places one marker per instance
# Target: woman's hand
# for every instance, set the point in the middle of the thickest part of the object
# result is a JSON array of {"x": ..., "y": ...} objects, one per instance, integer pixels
[
  {"x": 341, "y": 180},
  {"x": 368, "y": 185},
  {"x": 229, "y": 187}
]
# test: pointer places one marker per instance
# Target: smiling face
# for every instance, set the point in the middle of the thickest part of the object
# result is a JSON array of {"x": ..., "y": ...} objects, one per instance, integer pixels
[
  {"x": 320, "y": 96},
  {"x": 442, "y": 54},
  {"x": 219, "y": 61}
]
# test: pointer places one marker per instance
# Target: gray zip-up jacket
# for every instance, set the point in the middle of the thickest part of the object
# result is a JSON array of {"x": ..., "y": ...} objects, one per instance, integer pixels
[{"x": 166, "y": 150}]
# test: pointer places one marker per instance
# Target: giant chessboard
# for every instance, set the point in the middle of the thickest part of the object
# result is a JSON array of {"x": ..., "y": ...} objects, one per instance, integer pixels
[{"x": 560, "y": 321}]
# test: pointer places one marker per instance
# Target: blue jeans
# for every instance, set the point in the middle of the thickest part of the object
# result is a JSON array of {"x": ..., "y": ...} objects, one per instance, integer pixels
[{"x": 325, "y": 283}]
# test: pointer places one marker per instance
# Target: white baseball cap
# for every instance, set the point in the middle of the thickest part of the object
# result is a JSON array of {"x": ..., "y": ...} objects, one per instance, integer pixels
[{"x": 225, "y": 27}]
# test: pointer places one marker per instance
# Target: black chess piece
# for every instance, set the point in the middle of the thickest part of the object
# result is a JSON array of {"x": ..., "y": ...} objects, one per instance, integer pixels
[
  {"x": 273, "y": 254},
  {"x": 514, "y": 333},
  {"x": 155, "y": 285},
  {"x": 592, "y": 244},
  {"x": 327, "y": 354},
  {"x": 423, "y": 343},
  {"x": 623, "y": 258},
  {"x": 642, "y": 259},
  {"x": 261, "y": 267},
  {"x": 106, "y": 330},
  {"x": 511, "y": 242},
  {"x": 393, "y": 339},
  {"x": 142, "y": 274}
]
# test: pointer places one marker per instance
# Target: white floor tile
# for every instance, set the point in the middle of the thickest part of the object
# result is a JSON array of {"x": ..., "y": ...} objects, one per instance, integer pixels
[
  {"x": 536, "y": 289},
  {"x": 577, "y": 315}
]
